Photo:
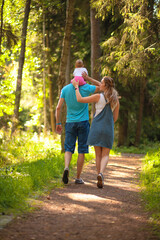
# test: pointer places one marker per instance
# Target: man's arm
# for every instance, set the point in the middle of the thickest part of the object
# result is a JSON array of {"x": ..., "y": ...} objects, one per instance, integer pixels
[
  {"x": 57, "y": 114},
  {"x": 93, "y": 81}
]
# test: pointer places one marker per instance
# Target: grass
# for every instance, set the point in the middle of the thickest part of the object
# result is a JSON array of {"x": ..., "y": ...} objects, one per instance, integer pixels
[
  {"x": 30, "y": 166},
  {"x": 150, "y": 183},
  {"x": 141, "y": 149}
]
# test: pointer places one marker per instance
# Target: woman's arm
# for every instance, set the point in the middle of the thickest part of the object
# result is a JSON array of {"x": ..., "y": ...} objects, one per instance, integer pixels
[
  {"x": 90, "y": 99},
  {"x": 116, "y": 112},
  {"x": 93, "y": 81}
]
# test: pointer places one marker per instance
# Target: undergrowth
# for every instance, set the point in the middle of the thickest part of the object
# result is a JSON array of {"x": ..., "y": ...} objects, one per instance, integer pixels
[
  {"x": 30, "y": 166},
  {"x": 150, "y": 184}
]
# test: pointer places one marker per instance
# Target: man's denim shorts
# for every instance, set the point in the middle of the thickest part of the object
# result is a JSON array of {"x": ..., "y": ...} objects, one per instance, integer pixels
[{"x": 74, "y": 130}]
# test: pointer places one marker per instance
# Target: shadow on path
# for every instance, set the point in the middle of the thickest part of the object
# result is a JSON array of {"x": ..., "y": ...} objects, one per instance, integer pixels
[{"x": 84, "y": 212}]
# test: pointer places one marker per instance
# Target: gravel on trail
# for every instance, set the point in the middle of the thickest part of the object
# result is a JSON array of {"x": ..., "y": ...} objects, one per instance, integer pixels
[{"x": 84, "y": 212}]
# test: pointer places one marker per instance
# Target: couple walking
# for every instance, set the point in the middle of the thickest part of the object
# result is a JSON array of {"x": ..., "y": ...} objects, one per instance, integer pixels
[{"x": 100, "y": 135}]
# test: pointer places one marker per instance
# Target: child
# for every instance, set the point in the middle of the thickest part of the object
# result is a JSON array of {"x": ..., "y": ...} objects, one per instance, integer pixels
[{"x": 79, "y": 69}]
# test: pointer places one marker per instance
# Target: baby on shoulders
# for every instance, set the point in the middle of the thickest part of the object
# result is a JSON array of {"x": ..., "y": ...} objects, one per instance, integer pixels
[{"x": 79, "y": 69}]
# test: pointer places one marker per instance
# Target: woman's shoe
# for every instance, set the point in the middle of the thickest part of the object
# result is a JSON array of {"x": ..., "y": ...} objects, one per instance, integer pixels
[{"x": 100, "y": 179}]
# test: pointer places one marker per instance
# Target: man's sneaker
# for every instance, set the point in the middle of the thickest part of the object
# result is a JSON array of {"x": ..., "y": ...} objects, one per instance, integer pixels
[
  {"x": 65, "y": 175},
  {"x": 79, "y": 181},
  {"x": 100, "y": 179}
]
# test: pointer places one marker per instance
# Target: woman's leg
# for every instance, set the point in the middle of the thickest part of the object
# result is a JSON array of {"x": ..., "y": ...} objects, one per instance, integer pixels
[
  {"x": 104, "y": 159},
  {"x": 98, "y": 153}
]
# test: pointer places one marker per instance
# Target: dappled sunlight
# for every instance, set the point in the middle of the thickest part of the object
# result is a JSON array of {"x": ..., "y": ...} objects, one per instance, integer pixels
[
  {"x": 90, "y": 183},
  {"x": 84, "y": 197},
  {"x": 122, "y": 166},
  {"x": 70, "y": 209},
  {"x": 120, "y": 174}
]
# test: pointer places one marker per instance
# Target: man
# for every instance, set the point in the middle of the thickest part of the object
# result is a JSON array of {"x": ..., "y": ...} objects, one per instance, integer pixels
[{"x": 77, "y": 125}]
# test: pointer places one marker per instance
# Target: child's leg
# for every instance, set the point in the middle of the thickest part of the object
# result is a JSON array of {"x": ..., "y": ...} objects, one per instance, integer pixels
[
  {"x": 98, "y": 153},
  {"x": 104, "y": 160},
  {"x": 80, "y": 79}
]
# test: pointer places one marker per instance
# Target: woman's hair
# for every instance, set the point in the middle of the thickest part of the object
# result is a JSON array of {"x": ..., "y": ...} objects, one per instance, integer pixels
[
  {"x": 110, "y": 93},
  {"x": 79, "y": 63}
]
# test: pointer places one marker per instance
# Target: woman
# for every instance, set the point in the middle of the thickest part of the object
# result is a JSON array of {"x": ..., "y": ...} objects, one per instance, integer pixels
[{"x": 101, "y": 134}]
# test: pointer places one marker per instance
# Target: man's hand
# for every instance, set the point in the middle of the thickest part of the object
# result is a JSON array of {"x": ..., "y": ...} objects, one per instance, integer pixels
[
  {"x": 59, "y": 129},
  {"x": 84, "y": 75}
]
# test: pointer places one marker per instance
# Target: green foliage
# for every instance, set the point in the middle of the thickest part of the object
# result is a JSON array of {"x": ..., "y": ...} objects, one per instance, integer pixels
[
  {"x": 150, "y": 182},
  {"x": 141, "y": 149},
  {"x": 131, "y": 56},
  {"x": 130, "y": 52},
  {"x": 30, "y": 166}
]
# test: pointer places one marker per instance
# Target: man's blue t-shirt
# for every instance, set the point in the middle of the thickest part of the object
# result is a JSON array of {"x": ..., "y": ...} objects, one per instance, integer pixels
[{"x": 76, "y": 112}]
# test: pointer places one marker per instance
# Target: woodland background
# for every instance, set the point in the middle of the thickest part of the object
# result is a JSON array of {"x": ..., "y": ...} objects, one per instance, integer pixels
[{"x": 40, "y": 42}]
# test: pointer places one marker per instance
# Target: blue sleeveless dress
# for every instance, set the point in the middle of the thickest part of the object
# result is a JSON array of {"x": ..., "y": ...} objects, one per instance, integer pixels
[{"x": 102, "y": 129}]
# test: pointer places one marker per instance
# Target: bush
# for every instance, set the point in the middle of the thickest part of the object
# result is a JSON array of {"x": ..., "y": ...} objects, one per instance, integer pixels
[{"x": 150, "y": 182}]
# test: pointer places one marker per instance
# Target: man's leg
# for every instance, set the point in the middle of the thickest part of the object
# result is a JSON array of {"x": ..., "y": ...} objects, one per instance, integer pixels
[
  {"x": 80, "y": 162},
  {"x": 67, "y": 157},
  {"x": 82, "y": 132},
  {"x": 69, "y": 145}
]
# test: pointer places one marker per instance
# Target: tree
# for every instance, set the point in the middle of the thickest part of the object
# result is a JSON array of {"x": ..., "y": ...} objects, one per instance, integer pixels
[
  {"x": 1, "y": 29},
  {"x": 52, "y": 119},
  {"x": 128, "y": 52},
  {"x": 20, "y": 69},
  {"x": 64, "y": 55},
  {"x": 95, "y": 48},
  {"x": 44, "y": 75}
]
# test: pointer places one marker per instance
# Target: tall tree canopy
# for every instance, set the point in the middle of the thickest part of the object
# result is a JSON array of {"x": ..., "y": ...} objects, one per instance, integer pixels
[{"x": 127, "y": 49}]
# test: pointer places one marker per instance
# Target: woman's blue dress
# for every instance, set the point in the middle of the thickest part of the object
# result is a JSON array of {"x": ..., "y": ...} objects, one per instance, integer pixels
[{"x": 102, "y": 129}]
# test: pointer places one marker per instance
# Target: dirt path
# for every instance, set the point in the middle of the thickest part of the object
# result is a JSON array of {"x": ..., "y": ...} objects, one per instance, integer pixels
[{"x": 84, "y": 212}]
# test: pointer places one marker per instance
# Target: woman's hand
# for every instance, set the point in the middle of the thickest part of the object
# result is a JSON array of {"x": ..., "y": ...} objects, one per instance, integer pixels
[{"x": 75, "y": 84}]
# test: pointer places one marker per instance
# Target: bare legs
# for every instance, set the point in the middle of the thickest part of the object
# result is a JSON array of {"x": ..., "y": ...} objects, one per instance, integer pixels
[
  {"x": 102, "y": 157},
  {"x": 67, "y": 157},
  {"x": 80, "y": 162}
]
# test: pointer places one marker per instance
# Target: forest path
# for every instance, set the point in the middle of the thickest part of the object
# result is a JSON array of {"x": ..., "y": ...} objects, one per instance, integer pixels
[{"x": 84, "y": 212}]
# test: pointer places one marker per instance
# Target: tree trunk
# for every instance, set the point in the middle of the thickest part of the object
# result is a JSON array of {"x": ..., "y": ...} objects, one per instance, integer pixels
[
  {"x": 63, "y": 62},
  {"x": 66, "y": 44},
  {"x": 95, "y": 49},
  {"x": 52, "y": 117},
  {"x": 140, "y": 112},
  {"x": 44, "y": 76},
  {"x": 123, "y": 128},
  {"x": 20, "y": 69},
  {"x": 68, "y": 68},
  {"x": 1, "y": 30}
]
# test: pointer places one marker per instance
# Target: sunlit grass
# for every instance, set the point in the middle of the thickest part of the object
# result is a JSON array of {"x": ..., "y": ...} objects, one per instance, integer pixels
[
  {"x": 30, "y": 165},
  {"x": 150, "y": 183},
  {"x": 141, "y": 149}
]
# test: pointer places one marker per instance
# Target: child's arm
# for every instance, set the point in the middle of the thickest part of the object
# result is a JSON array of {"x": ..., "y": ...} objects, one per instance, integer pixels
[
  {"x": 90, "y": 99},
  {"x": 86, "y": 77}
]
